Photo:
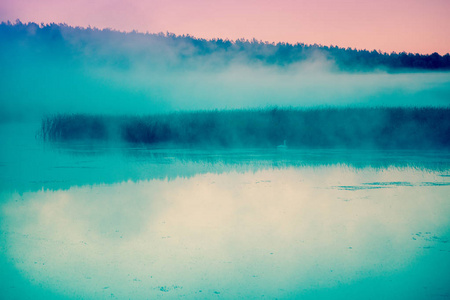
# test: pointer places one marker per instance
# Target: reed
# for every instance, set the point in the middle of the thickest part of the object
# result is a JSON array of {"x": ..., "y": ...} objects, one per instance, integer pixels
[{"x": 346, "y": 127}]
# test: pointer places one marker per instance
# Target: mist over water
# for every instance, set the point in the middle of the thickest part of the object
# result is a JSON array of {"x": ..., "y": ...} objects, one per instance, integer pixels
[
  {"x": 62, "y": 69},
  {"x": 86, "y": 216},
  {"x": 95, "y": 220}
]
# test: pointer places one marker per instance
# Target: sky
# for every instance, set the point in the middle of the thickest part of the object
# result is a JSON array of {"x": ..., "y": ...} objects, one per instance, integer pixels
[{"x": 416, "y": 26}]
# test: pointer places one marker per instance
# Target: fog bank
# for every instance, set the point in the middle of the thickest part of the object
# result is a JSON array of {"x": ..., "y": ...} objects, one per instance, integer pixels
[{"x": 60, "y": 69}]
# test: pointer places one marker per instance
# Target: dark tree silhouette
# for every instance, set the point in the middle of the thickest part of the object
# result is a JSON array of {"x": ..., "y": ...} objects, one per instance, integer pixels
[{"x": 65, "y": 42}]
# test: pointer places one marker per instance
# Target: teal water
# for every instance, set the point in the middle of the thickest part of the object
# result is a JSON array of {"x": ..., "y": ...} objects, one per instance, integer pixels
[{"x": 96, "y": 220}]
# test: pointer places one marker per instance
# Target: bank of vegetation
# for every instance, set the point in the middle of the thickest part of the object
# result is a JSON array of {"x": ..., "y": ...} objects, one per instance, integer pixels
[{"x": 378, "y": 128}]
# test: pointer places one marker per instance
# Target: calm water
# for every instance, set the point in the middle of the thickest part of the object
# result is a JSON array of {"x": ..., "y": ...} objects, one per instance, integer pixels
[{"x": 97, "y": 220}]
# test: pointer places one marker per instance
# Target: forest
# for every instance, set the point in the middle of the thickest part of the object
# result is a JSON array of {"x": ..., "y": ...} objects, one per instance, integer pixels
[{"x": 66, "y": 42}]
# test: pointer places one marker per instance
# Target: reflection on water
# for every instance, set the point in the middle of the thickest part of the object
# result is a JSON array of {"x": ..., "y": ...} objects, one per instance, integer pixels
[
  {"x": 27, "y": 164},
  {"x": 272, "y": 233},
  {"x": 107, "y": 221}
]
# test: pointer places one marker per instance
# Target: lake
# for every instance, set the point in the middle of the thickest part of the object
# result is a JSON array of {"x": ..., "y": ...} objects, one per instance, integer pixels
[{"x": 92, "y": 220}]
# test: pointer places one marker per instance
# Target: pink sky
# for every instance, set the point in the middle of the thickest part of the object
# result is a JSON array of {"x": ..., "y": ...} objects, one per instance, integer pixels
[{"x": 389, "y": 25}]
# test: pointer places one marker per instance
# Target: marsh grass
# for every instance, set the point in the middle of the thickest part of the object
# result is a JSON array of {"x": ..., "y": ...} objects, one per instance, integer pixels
[{"x": 380, "y": 128}]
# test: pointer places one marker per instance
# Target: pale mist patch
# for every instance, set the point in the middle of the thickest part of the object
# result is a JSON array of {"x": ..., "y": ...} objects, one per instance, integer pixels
[
  {"x": 315, "y": 82},
  {"x": 105, "y": 73}
]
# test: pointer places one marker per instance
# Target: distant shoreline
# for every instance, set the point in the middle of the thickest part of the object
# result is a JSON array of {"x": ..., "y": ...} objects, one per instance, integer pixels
[{"x": 40, "y": 38}]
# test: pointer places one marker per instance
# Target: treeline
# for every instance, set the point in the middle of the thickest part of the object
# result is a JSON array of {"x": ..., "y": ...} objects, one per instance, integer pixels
[
  {"x": 352, "y": 128},
  {"x": 123, "y": 49}
]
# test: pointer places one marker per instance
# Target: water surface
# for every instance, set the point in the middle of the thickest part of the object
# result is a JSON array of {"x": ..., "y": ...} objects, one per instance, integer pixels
[{"x": 90, "y": 220}]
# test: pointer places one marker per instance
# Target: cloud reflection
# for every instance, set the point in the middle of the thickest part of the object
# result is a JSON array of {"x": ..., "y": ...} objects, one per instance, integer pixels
[{"x": 237, "y": 234}]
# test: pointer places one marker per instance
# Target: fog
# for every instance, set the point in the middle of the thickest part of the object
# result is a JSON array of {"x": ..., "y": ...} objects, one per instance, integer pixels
[{"x": 58, "y": 69}]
